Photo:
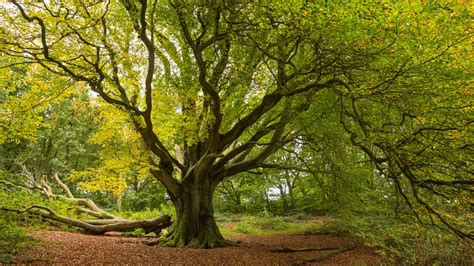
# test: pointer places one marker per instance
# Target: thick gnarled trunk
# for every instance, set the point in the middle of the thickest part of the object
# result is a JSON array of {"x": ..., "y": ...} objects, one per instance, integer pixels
[{"x": 195, "y": 225}]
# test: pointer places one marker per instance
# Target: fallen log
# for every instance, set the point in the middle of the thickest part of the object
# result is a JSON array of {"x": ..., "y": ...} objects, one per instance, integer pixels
[
  {"x": 102, "y": 222},
  {"x": 99, "y": 227}
]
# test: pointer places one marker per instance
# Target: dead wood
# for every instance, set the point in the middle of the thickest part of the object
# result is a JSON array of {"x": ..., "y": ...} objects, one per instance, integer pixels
[
  {"x": 327, "y": 255},
  {"x": 290, "y": 250},
  {"x": 153, "y": 225},
  {"x": 104, "y": 222}
]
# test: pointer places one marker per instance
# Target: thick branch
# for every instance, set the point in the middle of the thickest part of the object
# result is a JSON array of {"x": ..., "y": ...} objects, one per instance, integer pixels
[
  {"x": 63, "y": 186},
  {"x": 166, "y": 179},
  {"x": 246, "y": 147},
  {"x": 207, "y": 87},
  {"x": 154, "y": 225}
]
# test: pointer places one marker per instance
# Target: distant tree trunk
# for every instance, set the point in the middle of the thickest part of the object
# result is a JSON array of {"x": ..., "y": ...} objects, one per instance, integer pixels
[
  {"x": 291, "y": 186},
  {"x": 283, "y": 197},
  {"x": 267, "y": 201},
  {"x": 195, "y": 225},
  {"x": 238, "y": 202},
  {"x": 292, "y": 197},
  {"x": 119, "y": 200}
]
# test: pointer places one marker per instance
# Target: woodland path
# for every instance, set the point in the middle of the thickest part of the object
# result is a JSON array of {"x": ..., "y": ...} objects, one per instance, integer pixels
[{"x": 65, "y": 248}]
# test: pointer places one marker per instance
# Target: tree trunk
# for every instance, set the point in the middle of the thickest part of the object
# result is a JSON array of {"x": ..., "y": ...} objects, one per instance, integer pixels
[
  {"x": 283, "y": 198},
  {"x": 238, "y": 202},
  {"x": 195, "y": 225}
]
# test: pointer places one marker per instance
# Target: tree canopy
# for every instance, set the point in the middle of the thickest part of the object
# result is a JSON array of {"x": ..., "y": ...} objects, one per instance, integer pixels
[{"x": 197, "y": 92}]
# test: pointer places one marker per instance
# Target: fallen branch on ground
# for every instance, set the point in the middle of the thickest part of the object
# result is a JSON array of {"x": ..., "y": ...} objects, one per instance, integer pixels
[
  {"x": 104, "y": 222},
  {"x": 290, "y": 250},
  {"x": 327, "y": 255},
  {"x": 111, "y": 225}
]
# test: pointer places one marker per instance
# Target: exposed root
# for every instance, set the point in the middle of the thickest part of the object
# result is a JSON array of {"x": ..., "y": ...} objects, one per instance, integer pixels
[{"x": 178, "y": 237}]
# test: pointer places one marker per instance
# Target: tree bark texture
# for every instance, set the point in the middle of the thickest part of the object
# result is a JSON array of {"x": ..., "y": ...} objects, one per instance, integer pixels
[{"x": 195, "y": 224}]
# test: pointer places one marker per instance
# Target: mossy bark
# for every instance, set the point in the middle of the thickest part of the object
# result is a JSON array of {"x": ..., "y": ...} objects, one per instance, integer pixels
[{"x": 195, "y": 225}]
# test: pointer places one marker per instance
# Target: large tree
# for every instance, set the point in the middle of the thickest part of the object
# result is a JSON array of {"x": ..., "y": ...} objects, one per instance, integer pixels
[{"x": 212, "y": 87}]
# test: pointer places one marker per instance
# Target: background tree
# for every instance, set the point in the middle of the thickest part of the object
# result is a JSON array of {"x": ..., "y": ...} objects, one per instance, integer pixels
[{"x": 40, "y": 173}]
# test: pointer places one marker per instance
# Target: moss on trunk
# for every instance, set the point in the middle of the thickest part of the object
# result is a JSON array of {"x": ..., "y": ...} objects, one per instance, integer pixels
[{"x": 195, "y": 225}]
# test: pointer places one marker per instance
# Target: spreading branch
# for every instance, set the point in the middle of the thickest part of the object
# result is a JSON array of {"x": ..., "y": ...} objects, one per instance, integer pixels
[{"x": 105, "y": 222}]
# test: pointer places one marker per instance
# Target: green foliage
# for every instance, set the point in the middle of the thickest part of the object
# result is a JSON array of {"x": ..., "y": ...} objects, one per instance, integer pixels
[
  {"x": 255, "y": 225},
  {"x": 136, "y": 232},
  {"x": 365, "y": 109},
  {"x": 15, "y": 197},
  {"x": 140, "y": 215},
  {"x": 148, "y": 213},
  {"x": 139, "y": 233},
  {"x": 121, "y": 160},
  {"x": 12, "y": 239},
  {"x": 224, "y": 217},
  {"x": 143, "y": 194},
  {"x": 403, "y": 241},
  {"x": 168, "y": 209},
  {"x": 19, "y": 200},
  {"x": 23, "y": 99},
  {"x": 336, "y": 226},
  {"x": 247, "y": 227},
  {"x": 233, "y": 225},
  {"x": 275, "y": 223}
]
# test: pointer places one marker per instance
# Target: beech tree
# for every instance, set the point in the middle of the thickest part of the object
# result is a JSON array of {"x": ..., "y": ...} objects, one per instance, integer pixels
[{"x": 213, "y": 88}]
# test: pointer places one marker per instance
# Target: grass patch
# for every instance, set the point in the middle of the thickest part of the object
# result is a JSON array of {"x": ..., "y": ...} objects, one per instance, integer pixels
[
  {"x": 267, "y": 225},
  {"x": 227, "y": 231}
]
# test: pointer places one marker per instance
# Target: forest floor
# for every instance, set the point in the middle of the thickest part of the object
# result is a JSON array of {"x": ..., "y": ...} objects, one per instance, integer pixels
[{"x": 67, "y": 248}]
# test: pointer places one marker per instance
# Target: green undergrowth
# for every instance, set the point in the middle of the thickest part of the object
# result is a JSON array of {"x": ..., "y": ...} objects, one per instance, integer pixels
[
  {"x": 403, "y": 241},
  {"x": 139, "y": 233},
  {"x": 142, "y": 215},
  {"x": 12, "y": 240},
  {"x": 407, "y": 242},
  {"x": 264, "y": 225},
  {"x": 147, "y": 213},
  {"x": 398, "y": 241}
]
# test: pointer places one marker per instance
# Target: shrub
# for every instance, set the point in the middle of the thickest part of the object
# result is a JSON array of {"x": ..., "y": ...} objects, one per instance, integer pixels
[
  {"x": 255, "y": 225},
  {"x": 273, "y": 223},
  {"x": 415, "y": 244},
  {"x": 148, "y": 213},
  {"x": 404, "y": 241},
  {"x": 336, "y": 227},
  {"x": 12, "y": 238},
  {"x": 247, "y": 228},
  {"x": 145, "y": 214},
  {"x": 223, "y": 217}
]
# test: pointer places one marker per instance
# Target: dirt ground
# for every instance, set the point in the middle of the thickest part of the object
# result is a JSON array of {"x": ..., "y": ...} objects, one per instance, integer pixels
[{"x": 64, "y": 248}]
